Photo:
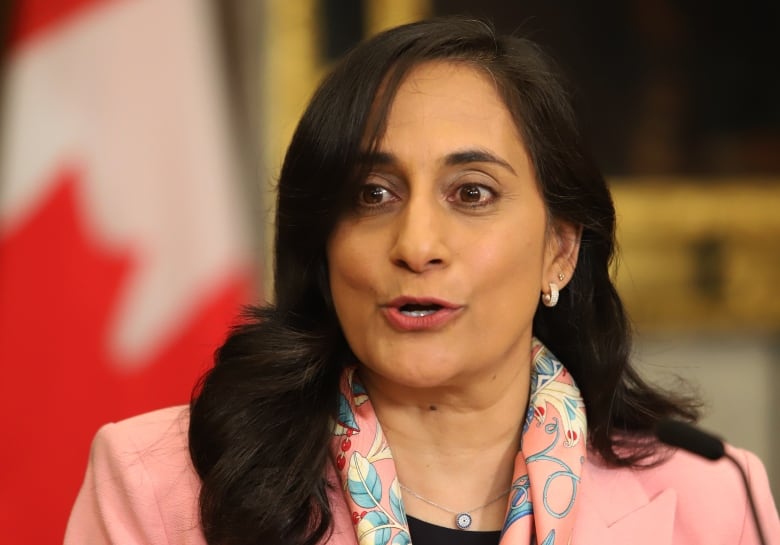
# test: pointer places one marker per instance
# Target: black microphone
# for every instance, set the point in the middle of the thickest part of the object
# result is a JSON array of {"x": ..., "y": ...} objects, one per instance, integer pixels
[
  {"x": 677, "y": 433},
  {"x": 680, "y": 434}
]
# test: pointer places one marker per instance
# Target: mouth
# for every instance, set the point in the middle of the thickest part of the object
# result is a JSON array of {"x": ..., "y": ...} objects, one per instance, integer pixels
[
  {"x": 418, "y": 314},
  {"x": 417, "y": 310},
  {"x": 420, "y": 306}
]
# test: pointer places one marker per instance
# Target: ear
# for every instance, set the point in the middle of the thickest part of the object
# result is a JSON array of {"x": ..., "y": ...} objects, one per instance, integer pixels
[{"x": 560, "y": 260}]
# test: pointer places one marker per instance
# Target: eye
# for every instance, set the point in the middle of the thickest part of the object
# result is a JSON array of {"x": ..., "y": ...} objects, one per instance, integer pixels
[
  {"x": 474, "y": 195},
  {"x": 373, "y": 196}
]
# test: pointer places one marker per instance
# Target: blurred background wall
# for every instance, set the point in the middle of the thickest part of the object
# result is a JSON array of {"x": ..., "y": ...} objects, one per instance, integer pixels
[{"x": 139, "y": 145}]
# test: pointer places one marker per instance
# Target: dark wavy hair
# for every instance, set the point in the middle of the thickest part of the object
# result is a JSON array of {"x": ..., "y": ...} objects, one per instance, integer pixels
[{"x": 259, "y": 431}]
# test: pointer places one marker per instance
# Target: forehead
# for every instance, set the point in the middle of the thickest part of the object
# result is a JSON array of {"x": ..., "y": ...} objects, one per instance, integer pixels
[
  {"x": 451, "y": 85},
  {"x": 450, "y": 104}
]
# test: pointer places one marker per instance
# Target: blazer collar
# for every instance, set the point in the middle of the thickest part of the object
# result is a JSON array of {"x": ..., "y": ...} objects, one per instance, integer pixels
[{"x": 616, "y": 509}]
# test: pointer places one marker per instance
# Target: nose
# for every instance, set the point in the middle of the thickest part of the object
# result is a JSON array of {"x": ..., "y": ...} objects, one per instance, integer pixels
[{"x": 421, "y": 241}]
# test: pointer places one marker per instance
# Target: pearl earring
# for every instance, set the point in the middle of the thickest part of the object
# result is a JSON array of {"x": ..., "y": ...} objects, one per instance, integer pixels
[{"x": 551, "y": 299}]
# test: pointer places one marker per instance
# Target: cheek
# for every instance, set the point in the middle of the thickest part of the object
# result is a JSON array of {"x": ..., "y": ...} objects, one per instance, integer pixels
[
  {"x": 350, "y": 272},
  {"x": 352, "y": 286},
  {"x": 511, "y": 270}
]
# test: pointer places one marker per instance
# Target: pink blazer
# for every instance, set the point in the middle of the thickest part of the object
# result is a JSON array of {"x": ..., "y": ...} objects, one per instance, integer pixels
[{"x": 140, "y": 488}]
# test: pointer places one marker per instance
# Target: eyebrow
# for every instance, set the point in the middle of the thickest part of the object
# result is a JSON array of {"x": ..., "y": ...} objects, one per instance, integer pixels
[
  {"x": 476, "y": 156},
  {"x": 461, "y": 157}
]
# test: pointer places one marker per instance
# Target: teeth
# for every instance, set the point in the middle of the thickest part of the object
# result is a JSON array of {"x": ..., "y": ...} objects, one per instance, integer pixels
[{"x": 418, "y": 313}]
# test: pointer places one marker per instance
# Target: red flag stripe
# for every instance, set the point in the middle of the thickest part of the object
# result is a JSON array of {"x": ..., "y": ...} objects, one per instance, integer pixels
[{"x": 34, "y": 17}]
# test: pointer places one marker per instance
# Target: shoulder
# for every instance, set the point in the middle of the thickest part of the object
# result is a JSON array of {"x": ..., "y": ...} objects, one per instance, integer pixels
[
  {"x": 148, "y": 449},
  {"x": 691, "y": 499},
  {"x": 690, "y": 473},
  {"x": 155, "y": 437},
  {"x": 140, "y": 486}
]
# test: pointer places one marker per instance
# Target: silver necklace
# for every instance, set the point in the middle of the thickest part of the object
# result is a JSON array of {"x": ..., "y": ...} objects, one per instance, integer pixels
[{"x": 463, "y": 519}]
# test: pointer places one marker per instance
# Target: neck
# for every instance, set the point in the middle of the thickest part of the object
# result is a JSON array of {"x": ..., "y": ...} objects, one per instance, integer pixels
[{"x": 455, "y": 445}]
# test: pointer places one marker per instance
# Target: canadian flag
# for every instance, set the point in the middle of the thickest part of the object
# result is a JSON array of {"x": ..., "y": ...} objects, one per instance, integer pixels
[{"x": 123, "y": 245}]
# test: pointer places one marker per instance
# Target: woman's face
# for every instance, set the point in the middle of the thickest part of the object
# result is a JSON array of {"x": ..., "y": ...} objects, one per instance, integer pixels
[{"x": 437, "y": 272}]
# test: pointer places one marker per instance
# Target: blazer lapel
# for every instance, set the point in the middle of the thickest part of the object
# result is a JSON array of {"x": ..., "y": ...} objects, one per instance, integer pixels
[{"x": 615, "y": 509}]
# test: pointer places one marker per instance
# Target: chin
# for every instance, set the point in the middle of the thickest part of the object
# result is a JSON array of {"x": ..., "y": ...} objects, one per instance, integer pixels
[{"x": 419, "y": 371}]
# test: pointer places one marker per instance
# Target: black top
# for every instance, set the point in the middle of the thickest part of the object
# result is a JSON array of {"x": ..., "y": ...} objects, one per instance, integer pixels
[{"x": 425, "y": 533}]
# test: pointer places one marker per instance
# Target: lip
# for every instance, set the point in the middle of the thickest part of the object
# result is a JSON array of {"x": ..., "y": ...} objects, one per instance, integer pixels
[{"x": 392, "y": 312}]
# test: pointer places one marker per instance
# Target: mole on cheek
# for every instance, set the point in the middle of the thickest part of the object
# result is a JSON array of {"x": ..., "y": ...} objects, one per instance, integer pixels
[{"x": 433, "y": 408}]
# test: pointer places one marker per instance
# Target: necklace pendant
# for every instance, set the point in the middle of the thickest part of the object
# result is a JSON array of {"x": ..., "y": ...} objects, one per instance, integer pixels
[{"x": 462, "y": 521}]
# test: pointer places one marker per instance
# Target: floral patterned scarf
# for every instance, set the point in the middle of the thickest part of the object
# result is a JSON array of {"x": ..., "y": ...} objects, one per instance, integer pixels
[{"x": 541, "y": 507}]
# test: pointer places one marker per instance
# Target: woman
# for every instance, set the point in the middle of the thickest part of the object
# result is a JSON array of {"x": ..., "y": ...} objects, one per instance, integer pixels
[{"x": 443, "y": 316}]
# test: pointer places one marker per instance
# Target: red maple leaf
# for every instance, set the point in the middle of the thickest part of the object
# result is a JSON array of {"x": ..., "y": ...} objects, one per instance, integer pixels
[{"x": 58, "y": 290}]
